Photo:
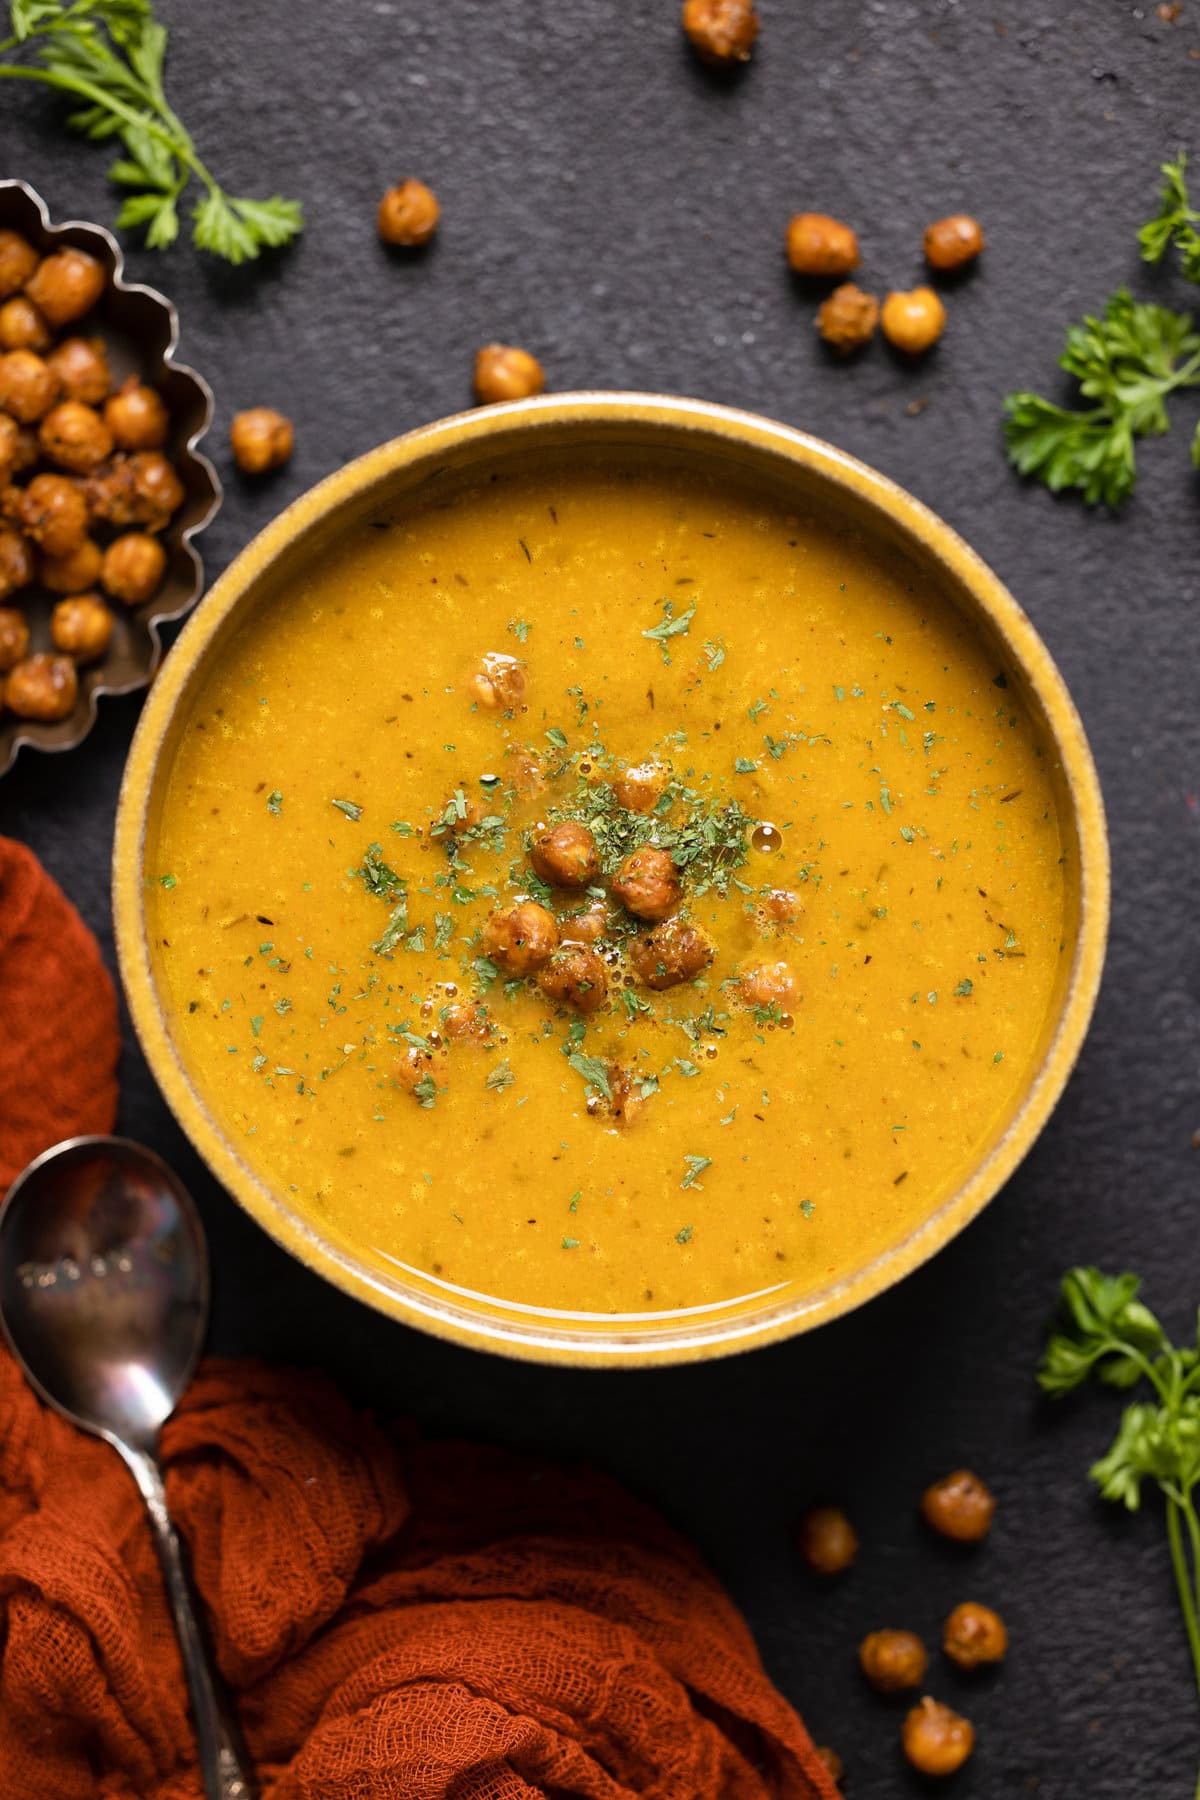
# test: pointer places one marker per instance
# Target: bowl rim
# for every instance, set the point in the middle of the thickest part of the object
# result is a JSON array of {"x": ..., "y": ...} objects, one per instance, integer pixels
[
  {"x": 523, "y": 1336},
  {"x": 25, "y": 737}
]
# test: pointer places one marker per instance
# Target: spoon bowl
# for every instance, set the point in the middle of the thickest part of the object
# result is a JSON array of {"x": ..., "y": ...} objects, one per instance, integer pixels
[
  {"x": 104, "y": 1285},
  {"x": 104, "y": 1301}
]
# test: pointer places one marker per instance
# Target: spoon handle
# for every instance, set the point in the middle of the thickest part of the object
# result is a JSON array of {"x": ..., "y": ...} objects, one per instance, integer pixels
[{"x": 223, "y": 1761}]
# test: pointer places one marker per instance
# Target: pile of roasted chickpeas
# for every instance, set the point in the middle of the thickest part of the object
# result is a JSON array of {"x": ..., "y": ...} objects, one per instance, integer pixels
[
  {"x": 85, "y": 486},
  {"x": 935, "y": 1739}
]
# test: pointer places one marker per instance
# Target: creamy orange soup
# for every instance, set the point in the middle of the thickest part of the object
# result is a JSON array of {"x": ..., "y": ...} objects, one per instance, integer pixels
[{"x": 853, "y": 807}]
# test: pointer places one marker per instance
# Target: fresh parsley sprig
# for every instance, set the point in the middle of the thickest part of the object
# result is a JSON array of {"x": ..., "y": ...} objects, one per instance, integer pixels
[
  {"x": 1109, "y": 1333},
  {"x": 1127, "y": 361},
  {"x": 110, "y": 55},
  {"x": 1174, "y": 223}
]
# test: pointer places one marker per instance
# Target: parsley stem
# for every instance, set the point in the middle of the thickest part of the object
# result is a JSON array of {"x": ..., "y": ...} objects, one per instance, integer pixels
[
  {"x": 178, "y": 143},
  {"x": 1175, "y": 1512}
]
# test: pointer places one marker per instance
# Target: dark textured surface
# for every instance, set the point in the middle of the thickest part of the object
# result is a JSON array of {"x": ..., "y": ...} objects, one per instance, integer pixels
[{"x": 620, "y": 211}]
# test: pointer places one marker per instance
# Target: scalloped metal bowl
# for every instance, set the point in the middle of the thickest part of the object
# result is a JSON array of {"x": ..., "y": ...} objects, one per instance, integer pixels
[{"x": 140, "y": 328}]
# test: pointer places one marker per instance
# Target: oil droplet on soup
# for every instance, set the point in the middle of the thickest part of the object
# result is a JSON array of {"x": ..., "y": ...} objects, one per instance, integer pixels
[{"x": 794, "y": 937}]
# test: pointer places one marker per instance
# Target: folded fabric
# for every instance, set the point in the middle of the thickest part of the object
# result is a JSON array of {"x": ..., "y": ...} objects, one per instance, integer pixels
[
  {"x": 398, "y": 1619},
  {"x": 58, "y": 1017}
]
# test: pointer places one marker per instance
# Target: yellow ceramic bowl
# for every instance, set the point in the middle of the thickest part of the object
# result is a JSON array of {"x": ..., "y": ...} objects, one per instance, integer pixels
[{"x": 782, "y": 462}]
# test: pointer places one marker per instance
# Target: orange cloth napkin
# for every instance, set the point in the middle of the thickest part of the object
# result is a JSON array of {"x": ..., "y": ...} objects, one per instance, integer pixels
[{"x": 399, "y": 1620}]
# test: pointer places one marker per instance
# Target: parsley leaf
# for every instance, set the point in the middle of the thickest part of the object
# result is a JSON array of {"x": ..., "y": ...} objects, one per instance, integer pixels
[
  {"x": 696, "y": 1166},
  {"x": 110, "y": 55},
  {"x": 351, "y": 808},
  {"x": 1174, "y": 223},
  {"x": 1107, "y": 1331},
  {"x": 501, "y": 1077},
  {"x": 1127, "y": 361},
  {"x": 594, "y": 1072},
  {"x": 670, "y": 627}
]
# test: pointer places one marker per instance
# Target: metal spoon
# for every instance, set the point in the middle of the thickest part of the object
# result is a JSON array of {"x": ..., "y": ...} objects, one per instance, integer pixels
[{"x": 104, "y": 1300}]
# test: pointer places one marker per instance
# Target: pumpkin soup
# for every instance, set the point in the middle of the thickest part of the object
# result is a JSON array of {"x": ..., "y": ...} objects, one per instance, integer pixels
[{"x": 609, "y": 891}]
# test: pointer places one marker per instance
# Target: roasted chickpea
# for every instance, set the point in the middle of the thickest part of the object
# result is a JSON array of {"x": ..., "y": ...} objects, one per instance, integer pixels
[
  {"x": 952, "y": 242},
  {"x": 22, "y": 326},
  {"x": 42, "y": 687},
  {"x": 936, "y": 1741},
  {"x": 521, "y": 939},
  {"x": 914, "y": 321},
  {"x": 499, "y": 682},
  {"x": 832, "y": 1761},
  {"x": 133, "y": 567},
  {"x": 525, "y": 770},
  {"x": 721, "y": 32},
  {"x": 820, "y": 245},
  {"x": 504, "y": 372},
  {"x": 136, "y": 416},
  {"x": 585, "y": 927},
  {"x": 18, "y": 260},
  {"x": 75, "y": 437},
  {"x": 53, "y": 512},
  {"x": 779, "y": 906},
  {"x": 81, "y": 365},
  {"x": 464, "y": 1020},
  {"x": 974, "y": 1634},
  {"x": 261, "y": 439},
  {"x": 640, "y": 788},
  {"x": 17, "y": 565},
  {"x": 769, "y": 984},
  {"x": 959, "y": 1507},
  {"x": 137, "y": 489},
  {"x": 576, "y": 976},
  {"x": 66, "y": 285},
  {"x": 408, "y": 215},
  {"x": 73, "y": 573},
  {"x": 81, "y": 627},
  {"x": 847, "y": 319},
  {"x": 420, "y": 1073},
  {"x": 629, "y": 1093},
  {"x": 14, "y": 637},
  {"x": 26, "y": 454},
  {"x": 28, "y": 386},
  {"x": 10, "y": 436},
  {"x": 647, "y": 883},
  {"x": 827, "y": 1540},
  {"x": 674, "y": 951},
  {"x": 566, "y": 855},
  {"x": 893, "y": 1660}
]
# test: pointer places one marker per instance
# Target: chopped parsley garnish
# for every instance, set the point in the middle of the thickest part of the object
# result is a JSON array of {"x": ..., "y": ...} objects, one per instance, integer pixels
[
  {"x": 966, "y": 986},
  {"x": 520, "y": 629},
  {"x": 557, "y": 737},
  {"x": 351, "y": 808},
  {"x": 426, "y": 1090},
  {"x": 570, "y": 1243},
  {"x": 696, "y": 1166},
  {"x": 376, "y": 875},
  {"x": 167, "y": 881},
  {"x": 670, "y": 626},
  {"x": 685, "y": 1235},
  {"x": 275, "y": 803},
  {"x": 501, "y": 1077},
  {"x": 594, "y": 1072},
  {"x": 742, "y": 765},
  {"x": 807, "y": 1208}
]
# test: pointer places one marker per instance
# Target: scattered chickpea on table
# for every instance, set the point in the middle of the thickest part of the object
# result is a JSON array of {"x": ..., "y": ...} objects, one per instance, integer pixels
[
  {"x": 893, "y": 1660},
  {"x": 959, "y": 1506},
  {"x": 506, "y": 372},
  {"x": 261, "y": 439},
  {"x": 848, "y": 318},
  {"x": 721, "y": 32},
  {"x": 974, "y": 1635},
  {"x": 827, "y": 1540},
  {"x": 914, "y": 321},
  {"x": 936, "y": 1740},
  {"x": 820, "y": 245},
  {"x": 408, "y": 215}
]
